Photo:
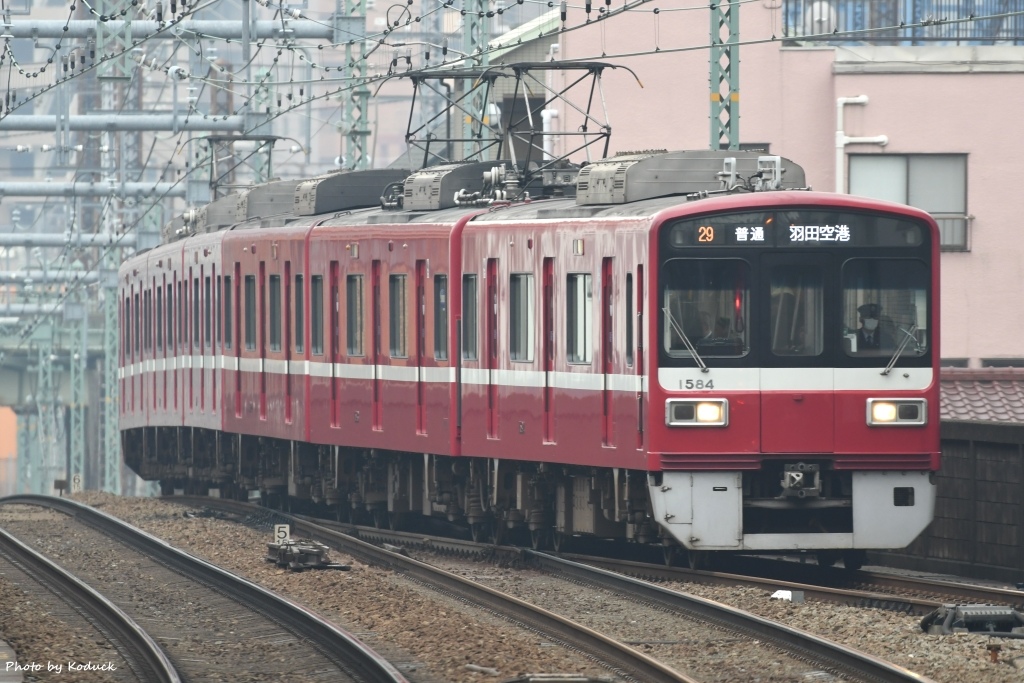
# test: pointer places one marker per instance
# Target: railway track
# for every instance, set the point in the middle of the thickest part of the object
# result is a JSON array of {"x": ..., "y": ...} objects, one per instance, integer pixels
[
  {"x": 830, "y": 657},
  {"x": 141, "y": 653},
  {"x": 262, "y": 616}
]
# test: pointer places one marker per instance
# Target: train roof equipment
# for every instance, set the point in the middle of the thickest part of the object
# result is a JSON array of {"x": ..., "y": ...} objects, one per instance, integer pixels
[{"x": 637, "y": 176}]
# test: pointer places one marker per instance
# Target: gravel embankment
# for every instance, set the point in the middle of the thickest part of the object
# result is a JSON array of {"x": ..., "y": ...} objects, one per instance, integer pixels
[{"x": 434, "y": 639}]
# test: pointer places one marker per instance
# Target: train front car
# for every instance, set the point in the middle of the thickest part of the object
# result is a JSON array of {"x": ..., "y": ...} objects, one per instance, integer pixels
[{"x": 793, "y": 396}]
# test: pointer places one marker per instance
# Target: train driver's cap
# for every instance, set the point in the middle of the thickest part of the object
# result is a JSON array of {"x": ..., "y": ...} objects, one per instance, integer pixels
[{"x": 869, "y": 310}]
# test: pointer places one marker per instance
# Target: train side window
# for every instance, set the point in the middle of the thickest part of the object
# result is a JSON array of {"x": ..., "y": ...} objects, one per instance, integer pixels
[
  {"x": 629, "y": 319},
  {"x": 138, "y": 327},
  {"x": 300, "y": 312},
  {"x": 127, "y": 345},
  {"x": 275, "y": 312},
  {"x": 316, "y": 312},
  {"x": 147, "y": 303},
  {"x": 170, "y": 317},
  {"x": 181, "y": 315},
  {"x": 441, "y": 317},
  {"x": 469, "y": 317},
  {"x": 354, "y": 314},
  {"x": 217, "y": 320},
  {"x": 520, "y": 316},
  {"x": 397, "y": 315},
  {"x": 227, "y": 312},
  {"x": 250, "y": 312},
  {"x": 158, "y": 318},
  {"x": 195, "y": 312},
  {"x": 207, "y": 310},
  {"x": 579, "y": 317}
]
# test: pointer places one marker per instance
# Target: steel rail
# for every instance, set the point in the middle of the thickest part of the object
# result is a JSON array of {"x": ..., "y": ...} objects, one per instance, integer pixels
[
  {"x": 142, "y": 653},
  {"x": 834, "y": 656},
  {"x": 339, "y": 646},
  {"x": 624, "y": 660}
]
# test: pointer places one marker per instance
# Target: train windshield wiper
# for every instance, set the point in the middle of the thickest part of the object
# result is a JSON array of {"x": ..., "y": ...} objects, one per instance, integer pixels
[
  {"x": 686, "y": 340},
  {"x": 908, "y": 337}
]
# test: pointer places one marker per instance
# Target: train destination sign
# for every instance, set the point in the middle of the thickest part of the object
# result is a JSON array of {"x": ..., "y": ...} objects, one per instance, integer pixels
[{"x": 795, "y": 229}]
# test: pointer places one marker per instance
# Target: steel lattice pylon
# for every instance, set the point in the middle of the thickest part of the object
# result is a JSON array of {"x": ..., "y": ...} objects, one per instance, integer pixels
[
  {"x": 111, "y": 437},
  {"x": 725, "y": 76},
  {"x": 355, "y": 126}
]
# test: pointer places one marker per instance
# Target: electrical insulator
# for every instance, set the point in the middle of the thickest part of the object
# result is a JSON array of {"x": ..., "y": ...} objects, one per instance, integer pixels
[
  {"x": 563, "y": 10},
  {"x": 174, "y": 7},
  {"x": 444, "y": 47},
  {"x": 160, "y": 12},
  {"x": 586, "y": 8}
]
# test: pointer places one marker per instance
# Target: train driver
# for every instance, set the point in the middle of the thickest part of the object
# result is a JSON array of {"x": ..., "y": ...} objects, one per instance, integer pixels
[{"x": 870, "y": 336}]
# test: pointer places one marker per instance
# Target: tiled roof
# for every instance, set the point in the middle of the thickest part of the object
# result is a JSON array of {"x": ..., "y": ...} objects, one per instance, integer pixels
[{"x": 990, "y": 395}]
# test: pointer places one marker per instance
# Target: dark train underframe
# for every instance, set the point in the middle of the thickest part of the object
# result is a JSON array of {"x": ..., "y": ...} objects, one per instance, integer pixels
[
  {"x": 389, "y": 488},
  {"x": 534, "y": 501}
]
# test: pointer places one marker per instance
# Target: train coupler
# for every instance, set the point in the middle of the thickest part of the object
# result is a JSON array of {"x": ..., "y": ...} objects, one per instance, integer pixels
[{"x": 801, "y": 480}]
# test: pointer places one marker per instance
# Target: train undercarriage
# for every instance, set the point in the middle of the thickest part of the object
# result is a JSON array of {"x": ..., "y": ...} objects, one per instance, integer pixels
[{"x": 540, "y": 503}]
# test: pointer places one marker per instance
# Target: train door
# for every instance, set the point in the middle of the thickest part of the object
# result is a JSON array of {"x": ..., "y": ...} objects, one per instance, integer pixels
[
  {"x": 548, "y": 347},
  {"x": 287, "y": 341},
  {"x": 796, "y": 385},
  {"x": 261, "y": 330},
  {"x": 637, "y": 320},
  {"x": 378, "y": 416},
  {"x": 335, "y": 337},
  {"x": 607, "y": 351},
  {"x": 420, "y": 332},
  {"x": 491, "y": 347}
]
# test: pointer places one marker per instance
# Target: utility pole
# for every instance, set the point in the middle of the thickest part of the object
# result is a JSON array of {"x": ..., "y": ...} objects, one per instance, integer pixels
[
  {"x": 355, "y": 115},
  {"x": 478, "y": 32},
  {"x": 725, "y": 75}
]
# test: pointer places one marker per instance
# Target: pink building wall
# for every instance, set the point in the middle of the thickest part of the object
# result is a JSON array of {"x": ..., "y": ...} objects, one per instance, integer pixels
[{"x": 952, "y": 100}]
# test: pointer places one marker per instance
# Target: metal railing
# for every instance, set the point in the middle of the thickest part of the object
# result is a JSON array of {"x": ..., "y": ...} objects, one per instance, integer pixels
[
  {"x": 986, "y": 22},
  {"x": 954, "y": 231}
]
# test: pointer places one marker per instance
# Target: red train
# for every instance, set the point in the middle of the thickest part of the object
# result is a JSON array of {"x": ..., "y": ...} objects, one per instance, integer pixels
[{"x": 676, "y": 347}]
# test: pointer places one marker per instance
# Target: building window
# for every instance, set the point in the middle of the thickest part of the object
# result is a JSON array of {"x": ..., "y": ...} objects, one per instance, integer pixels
[
  {"x": 275, "y": 312},
  {"x": 936, "y": 183},
  {"x": 354, "y": 314},
  {"x": 469, "y": 323},
  {"x": 579, "y": 301},
  {"x": 1002, "y": 362},
  {"x": 441, "y": 317},
  {"x": 396, "y": 303},
  {"x": 520, "y": 317},
  {"x": 953, "y": 363}
]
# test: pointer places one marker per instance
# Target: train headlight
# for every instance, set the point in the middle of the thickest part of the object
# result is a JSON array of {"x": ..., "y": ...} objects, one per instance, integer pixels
[
  {"x": 897, "y": 411},
  {"x": 692, "y": 412}
]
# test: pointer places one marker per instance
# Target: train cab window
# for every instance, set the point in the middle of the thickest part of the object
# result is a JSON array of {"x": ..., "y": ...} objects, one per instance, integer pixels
[
  {"x": 579, "y": 317},
  {"x": 469, "y": 317},
  {"x": 250, "y": 312},
  {"x": 300, "y": 321},
  {"x": 441, "y": 317},
  {"x": 885, "y": 306},
  {"x": 797, "y": 311},
  {"x": 705, "y": 306},
  {"x": 228, "y": 320},
  {"x": 520, "y": 317},
  {"x": 397, "y": 316},
  {"x": 354, "y": 314},
  {"x": 275, "y": 312},
  {"x": 316, "y": 312}
]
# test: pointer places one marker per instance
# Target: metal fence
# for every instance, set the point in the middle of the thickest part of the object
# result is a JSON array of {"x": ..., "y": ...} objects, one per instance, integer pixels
[
  {"x": 978, "y": 528},
  {"x": 875, "y": 22}
]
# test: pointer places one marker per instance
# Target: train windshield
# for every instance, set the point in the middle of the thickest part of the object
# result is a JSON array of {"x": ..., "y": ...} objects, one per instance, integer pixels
[
  {"x": 885, "y": 307},
  {"x": 706, "y": 307}
]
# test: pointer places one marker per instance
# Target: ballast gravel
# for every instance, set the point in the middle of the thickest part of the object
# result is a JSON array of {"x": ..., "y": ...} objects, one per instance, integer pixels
[{"x": 435, "y": 639}]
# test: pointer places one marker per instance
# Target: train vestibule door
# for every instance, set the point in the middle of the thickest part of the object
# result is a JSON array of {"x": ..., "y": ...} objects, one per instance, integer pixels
[{"x": 797, "y": 399}]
